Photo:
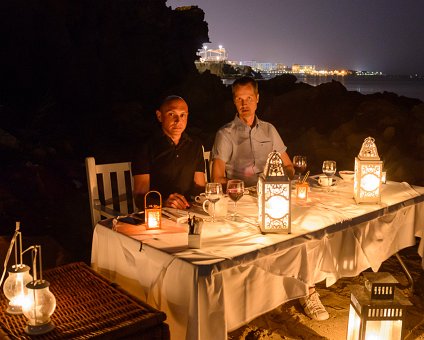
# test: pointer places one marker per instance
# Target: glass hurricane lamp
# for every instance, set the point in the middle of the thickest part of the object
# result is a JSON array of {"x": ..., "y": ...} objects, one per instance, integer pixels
[
  {"x": 14, "y": 287},
  {"x": 40, "y": 302}
]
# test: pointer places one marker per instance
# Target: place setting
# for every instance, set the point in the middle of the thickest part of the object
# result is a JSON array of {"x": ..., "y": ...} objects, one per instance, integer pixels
[{"x": 326, "y": 181}]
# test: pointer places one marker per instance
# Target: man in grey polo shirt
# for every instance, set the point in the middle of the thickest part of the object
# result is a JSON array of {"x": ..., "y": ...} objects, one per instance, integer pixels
[
  {"x": 242, "y": 146},
  {"x": 241, "y": 150}
]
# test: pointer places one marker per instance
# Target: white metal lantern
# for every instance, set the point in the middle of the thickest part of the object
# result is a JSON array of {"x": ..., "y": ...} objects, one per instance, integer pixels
[
  {"x": 377, "y": 310},
  {"x": 368, "y": 172},
  {"x": 153, "y": 212},
  {"x": 40, "y": 303},
  {"x": 274, "y": 197}
]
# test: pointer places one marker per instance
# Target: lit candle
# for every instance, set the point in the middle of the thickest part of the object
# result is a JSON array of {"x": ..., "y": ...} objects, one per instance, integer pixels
[
  {"x": 153, "y": 219},
  {"x": 302, "y": 190},
  {"x": 383, "y": 177}
]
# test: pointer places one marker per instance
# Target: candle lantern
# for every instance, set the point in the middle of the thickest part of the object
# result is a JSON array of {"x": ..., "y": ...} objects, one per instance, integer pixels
[
  {"x": 383, "y": 177},
  {"x": 40, "y": 303},
  {"x": 274, "y": 197},
  {"x": 302, "y": 189},
  {"x": 153, "y": 212},
  {"x": 368, "y": 172},
  {"x": 377, "y": 310},
  {"x": 14, "y": 287}
]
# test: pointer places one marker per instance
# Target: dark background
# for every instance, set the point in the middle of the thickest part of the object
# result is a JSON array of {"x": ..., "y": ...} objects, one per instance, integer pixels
[{"x": 82, "y": 79}]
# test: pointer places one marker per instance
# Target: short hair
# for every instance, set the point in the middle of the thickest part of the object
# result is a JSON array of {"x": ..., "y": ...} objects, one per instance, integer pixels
[
  {"x": 168, "y": 99},
  {"x": 245, "y": 81}
]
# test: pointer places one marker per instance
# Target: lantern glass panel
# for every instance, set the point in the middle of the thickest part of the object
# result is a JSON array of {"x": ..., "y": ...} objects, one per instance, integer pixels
[
  {"x": 153, "y": 218},
  {"x": 385, "y": 329},
  {"x": 354, "y": 324}
]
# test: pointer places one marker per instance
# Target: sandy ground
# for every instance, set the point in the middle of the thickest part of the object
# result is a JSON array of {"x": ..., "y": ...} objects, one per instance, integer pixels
[{"x": 289, "y": 322}]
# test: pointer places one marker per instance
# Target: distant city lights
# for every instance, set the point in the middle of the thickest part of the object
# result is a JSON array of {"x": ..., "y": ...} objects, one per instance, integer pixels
[{"x": 208, "y": 55}]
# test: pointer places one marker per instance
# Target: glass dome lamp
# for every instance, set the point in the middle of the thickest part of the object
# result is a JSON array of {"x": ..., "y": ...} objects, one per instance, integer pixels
[
  {"x": 14, "y": 287},
  {"x": 40, "y": 302}
]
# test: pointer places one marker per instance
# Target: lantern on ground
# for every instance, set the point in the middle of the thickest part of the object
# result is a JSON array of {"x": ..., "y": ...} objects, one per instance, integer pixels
[
  {"x": 153, "y": 212},
  {"x": 40, "y": 303},
  {"x": 377, "y": 310},
  {"x": 274, "y": 197},
  {"x": 368, "y": 172},
  {"x": 14, "y": 287}
]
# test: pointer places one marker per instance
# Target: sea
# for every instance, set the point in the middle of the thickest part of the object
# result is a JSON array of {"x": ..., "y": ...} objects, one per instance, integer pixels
[
  {"x": 411, "y": 87},
  {"x": 408, "y": 86}
]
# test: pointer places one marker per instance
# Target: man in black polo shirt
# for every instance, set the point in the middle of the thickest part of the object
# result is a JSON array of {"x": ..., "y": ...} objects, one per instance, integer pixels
[{"x": 170, "y": 162}]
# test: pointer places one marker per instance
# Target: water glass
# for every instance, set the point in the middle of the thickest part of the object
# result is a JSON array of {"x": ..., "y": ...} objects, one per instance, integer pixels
[{"x": 213, "y": 193}]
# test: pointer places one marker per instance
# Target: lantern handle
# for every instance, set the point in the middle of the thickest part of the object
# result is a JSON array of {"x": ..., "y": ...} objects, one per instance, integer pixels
[
  {"x": 151, "y": 192},
  {"x": 15, "y": 243}
]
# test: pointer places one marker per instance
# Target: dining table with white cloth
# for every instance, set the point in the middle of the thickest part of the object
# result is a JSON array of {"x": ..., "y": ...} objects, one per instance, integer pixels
[{"x": 240, "y": 273}]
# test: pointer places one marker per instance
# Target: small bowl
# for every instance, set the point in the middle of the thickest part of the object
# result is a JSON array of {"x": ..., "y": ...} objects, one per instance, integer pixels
[{"x": 347, "y": 175}]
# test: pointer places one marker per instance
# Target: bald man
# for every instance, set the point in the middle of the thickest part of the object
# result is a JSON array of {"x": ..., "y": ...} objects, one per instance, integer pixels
[{"x": 170, "y": 161}]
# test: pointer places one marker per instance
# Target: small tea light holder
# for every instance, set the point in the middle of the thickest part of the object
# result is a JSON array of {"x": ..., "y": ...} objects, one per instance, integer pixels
[
  {"x": 383, "y": 177},
  {"x": 194, "y": 232},
  {"x": 302, "y": 189},
  {"x": 153, "y": 212}
]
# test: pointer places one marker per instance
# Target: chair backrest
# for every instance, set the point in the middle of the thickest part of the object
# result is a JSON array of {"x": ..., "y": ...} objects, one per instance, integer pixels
[
  {"x": 208, "y": 164},
  {"x": 110, "y": 188}
]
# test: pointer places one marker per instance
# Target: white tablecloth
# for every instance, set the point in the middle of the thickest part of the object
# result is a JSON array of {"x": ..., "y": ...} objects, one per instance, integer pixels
[{"x": 239, "y": 273}]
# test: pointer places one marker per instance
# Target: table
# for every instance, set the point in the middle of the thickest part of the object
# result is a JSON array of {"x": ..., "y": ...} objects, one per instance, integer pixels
[
  {"x": 87, "y": 307},
  {"x": 239, "y": 273}
]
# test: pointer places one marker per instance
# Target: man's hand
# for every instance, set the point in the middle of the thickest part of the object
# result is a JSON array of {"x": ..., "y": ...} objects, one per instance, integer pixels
[{"x": 177, "y": 201}]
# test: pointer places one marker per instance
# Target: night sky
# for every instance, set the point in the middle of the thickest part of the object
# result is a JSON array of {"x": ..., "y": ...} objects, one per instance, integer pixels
[{"x": 373, "y": 35}]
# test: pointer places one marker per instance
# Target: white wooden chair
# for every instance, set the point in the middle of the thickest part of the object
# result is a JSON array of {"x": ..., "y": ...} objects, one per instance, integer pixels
[
  {"x": 110, "y": 188},
  {"x": 208, "y": 164}
]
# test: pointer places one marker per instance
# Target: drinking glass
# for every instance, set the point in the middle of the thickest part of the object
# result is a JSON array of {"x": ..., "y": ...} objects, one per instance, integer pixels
[
  {"x": 213, "y": 192},
  {"x": 299, "y": 163},
  {"x": 329, "y": 169},
  {"x": 235, "y": 190}
]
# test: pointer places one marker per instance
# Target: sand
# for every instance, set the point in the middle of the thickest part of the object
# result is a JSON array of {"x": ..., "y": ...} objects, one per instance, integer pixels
[{"x": 289, "y": 322}]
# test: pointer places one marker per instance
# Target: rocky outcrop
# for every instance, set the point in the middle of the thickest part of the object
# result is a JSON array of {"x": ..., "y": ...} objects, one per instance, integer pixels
[{"x": 83, "y": 79}]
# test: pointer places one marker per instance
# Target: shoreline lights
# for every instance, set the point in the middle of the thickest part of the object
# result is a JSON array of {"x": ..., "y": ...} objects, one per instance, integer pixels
[{"x": 274, "y": 197}]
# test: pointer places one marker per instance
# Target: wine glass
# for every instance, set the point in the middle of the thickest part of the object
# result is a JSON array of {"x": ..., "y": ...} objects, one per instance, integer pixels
[
  {"x": 213, "y": 192},
  {"x": 299, "y": 163},
  {"x": 235, "y": 190},
  {"x": 329, "y": 169}
]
